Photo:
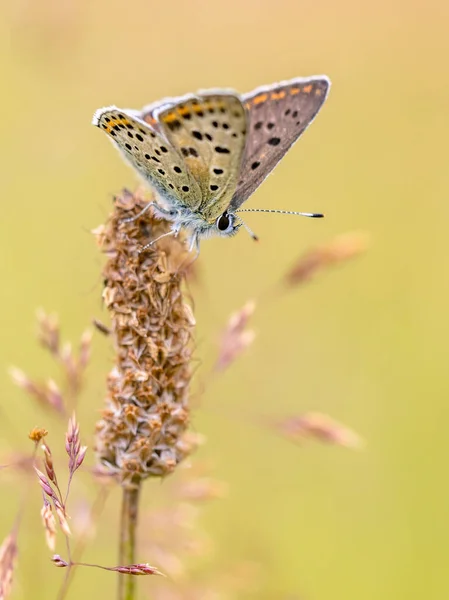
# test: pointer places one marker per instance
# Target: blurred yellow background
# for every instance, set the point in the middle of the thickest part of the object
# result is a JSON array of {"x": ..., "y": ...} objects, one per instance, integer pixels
[{"x": 366, "y": 343}]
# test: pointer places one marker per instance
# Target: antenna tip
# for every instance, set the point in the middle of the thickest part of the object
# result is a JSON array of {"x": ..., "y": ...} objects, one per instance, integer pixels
[{"x": 317, "y": 215}]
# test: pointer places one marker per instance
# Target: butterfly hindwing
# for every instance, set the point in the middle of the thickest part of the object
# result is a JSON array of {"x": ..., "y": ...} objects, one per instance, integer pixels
[
  {"x": 277, "y": 116},
  {"x": 208, "y": 130},
  {"x": 152, "y": 155}
]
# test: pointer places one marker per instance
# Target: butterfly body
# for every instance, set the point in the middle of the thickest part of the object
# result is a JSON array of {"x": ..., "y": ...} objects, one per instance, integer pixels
[{"x": 205, "y": 154}]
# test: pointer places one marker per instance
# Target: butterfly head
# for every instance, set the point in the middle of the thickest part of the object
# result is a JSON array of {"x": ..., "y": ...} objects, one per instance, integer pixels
[{"x": 226, "y": 225}]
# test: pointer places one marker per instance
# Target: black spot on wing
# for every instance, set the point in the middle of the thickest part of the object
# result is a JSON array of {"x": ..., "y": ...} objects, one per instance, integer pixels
[
  {"x": 222, "y": 150},
  {"x": 174, "y": 125}
]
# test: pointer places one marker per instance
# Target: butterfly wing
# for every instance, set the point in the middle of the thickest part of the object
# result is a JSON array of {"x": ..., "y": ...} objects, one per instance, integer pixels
[
  {"x": 150, "y": 154},
  {"x": 277, "y": 116},
  {"x": 209, "y": 132}
]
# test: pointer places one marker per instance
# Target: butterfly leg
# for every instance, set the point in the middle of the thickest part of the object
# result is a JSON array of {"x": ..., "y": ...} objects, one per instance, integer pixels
[
  {"x": 139, "y": 214},
  {"x": 197, "y": 253},
  {"x": 173, "y": 231},
  {"x": 194, "y": 243},
  {"x": 160, "y": 212},
  {"x": 167, "y": 233}
]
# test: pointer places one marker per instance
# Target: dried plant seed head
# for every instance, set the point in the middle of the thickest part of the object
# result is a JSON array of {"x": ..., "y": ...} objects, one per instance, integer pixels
[{"x": 143, "y": 426}]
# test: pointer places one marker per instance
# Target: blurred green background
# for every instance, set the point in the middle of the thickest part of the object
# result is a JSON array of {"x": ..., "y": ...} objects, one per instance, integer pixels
[{"x": 366, "y": 343}]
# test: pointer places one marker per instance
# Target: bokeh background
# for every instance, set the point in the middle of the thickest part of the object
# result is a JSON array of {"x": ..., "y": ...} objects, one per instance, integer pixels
[{"x": 366, "y": 343}]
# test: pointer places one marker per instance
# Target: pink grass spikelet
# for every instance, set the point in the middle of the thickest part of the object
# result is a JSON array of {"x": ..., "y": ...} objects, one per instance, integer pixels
[
  {"x": 236, "y": 338},
  {"x": 8, "y": 557},
  {"x": 48, "y": 331},
  {"x": 45, "y": 484},
  {"x": 80, "y": 457},
  {"x": 47, "y": 395},
  {"x": 54, "y": 396},
  {"x": 61, "y": 514},
  {"x": 49, "y": 523},
  {"x": 58, "y": 561},
  {"x": 320, "y": 427},
  {"x": 85, "y": 349},
  {"x": 341, "y": 249},
  {"x": 202, "y": 489},
  {"x": 137, "y": 569},
  {"x": 48, "y": 462},
  {"x": 75, "y": 451}
]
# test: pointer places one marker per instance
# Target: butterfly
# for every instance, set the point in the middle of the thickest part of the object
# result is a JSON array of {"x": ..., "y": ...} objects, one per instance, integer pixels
[{"x": 205, "y": 154}]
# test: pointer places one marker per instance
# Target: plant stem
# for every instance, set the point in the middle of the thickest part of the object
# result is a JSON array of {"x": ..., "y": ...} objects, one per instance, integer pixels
[{"x": 128, "y": 526}]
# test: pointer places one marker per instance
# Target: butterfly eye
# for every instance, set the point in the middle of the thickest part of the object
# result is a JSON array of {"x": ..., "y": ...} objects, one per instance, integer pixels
[{"x": 225, "y": 222}]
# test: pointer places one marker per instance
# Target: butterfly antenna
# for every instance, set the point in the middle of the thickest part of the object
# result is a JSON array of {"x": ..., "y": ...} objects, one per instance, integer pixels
[
  {"x": 250, "y": 231},
  {"x": 282, "y": 212}
]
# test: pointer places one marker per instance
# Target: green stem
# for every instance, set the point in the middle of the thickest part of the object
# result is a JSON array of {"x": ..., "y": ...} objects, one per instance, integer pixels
[{"x": 128, "y": 526}]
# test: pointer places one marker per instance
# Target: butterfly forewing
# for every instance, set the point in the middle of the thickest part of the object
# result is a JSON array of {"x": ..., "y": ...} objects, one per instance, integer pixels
[
  {"x": 277, "y": 116},
  {"x": 209, "y": 132},
  {"x": 152, "y": 155}
]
